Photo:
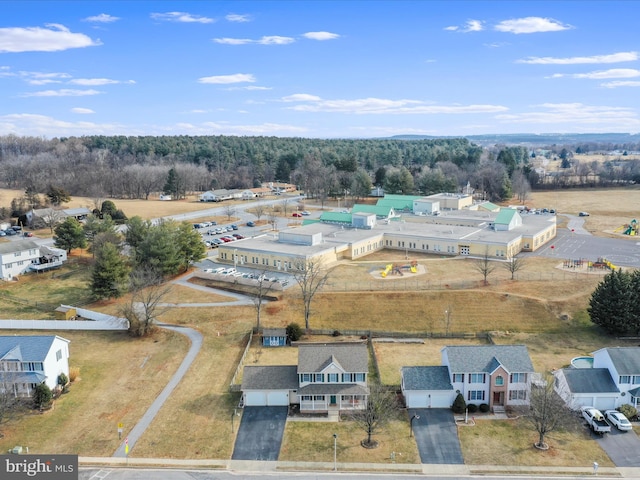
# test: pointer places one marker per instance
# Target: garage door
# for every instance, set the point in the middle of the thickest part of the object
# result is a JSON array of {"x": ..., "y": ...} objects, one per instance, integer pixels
[
  {"x": 604, "y": 403},
  {"x": 275, "y": 399},
  {"x": 255, "y": 399},
  {"x": 428, "y": 400},
  {"x": 440, "y": 400}
]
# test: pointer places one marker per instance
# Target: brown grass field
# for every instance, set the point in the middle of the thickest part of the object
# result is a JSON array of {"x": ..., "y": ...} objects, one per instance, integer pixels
[{"x": 545, "y": 309}]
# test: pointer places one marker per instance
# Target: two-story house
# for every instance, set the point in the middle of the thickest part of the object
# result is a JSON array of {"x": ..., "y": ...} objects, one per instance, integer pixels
[
  {"x": 16, "y": 257},
  {"x": 613, "y": 380},
  {"x": 28, "y": 360},
  {"x": 498, "y": 375},
  {"x": 328, "y": 377}
]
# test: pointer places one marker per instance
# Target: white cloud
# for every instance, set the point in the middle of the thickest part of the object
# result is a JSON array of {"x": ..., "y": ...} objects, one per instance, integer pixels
[
  {"x": 98, "y": 81},
  {"x": 531, "y": 25},
  {"x": 54, "y": 38},
  {"x": 225, "y": 79},
  {"x": 44, "y": 81},
  {"x": 82, "y": 111},
  {"x": 621, "y": 83},
  {"x": 611, "y": 58},
  {"x": 42, "y": 125},
  {"x": 602, "y": 74},
  {"x": 594, "y": 117},
  {"x": 470, "y": 26},
  {"x": 311, "y": 103},
  {"x": 321, "y": 35},
  {"x": 261, "y": 129},
  {"x": 249, "y": 88},
  {"x": 181, "y": 17},
  {"x": 266, "y": 40},
  {"x": 233, "y": 17},
  {"x": 102, "y": 18},
  {"x": 65, "y": 92}
]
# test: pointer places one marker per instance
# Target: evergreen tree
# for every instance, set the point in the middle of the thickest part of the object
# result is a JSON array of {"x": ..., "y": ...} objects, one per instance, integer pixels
[
  {"x": 110, "y": 273},
  {"x": 69, "y": 235},
  {"x": 190, "y": 244},
  {"x": 58, "y": 195},
  {"x": 615, "y": 303},
  {"x": 108, "y": 208},
  {"x": 137, "y": 230},
  {"x": 159, "y": 250}
]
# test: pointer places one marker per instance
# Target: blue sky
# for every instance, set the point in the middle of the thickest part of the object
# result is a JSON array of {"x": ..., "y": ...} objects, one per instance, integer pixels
[{"x": 324, "y": 69}]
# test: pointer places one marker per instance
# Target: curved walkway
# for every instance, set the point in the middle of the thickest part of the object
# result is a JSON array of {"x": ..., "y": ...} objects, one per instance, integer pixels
[
  {"x": 240, "y": 299},
  {"x": 137, "y": 431}
]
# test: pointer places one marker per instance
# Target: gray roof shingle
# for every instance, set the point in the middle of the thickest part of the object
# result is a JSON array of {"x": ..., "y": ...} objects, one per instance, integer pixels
[
  {"x": 352, "y": 357},
  {"x": 426, "y": 378},
  {"x": 485, "y": 358},
  {"x": 17, "y": 246},
  {"x": 279, "y": 377},
  {"x": 274, "y": 332},
  {"x": 333, "y": 389},
  {"x": 32, "y": 348},
  {"x": 625, "y": 359},
  {"x": 589, "y": 380}
]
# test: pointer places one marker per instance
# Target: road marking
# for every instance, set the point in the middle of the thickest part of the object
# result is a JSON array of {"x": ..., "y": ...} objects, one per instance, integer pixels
[{"x": 100, "y": 474}]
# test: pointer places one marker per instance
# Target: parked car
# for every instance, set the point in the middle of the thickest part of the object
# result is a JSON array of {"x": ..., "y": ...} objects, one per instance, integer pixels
[
  {"x": 251, "y": 224},
  {"x": 305, "y": 213},
  {"x": 10, "y": 231},
  {"x": 216, "y": 241},
  {"x": 234, "y": 227},
  {"x": 595, "y": 420},
  {"x": 231, "y": 239},
  {"x": 207, "y": 270},
  {"x": 238, "y": 236},
  {"x": 27, "y": 234},
  {"x": 618, "y": 420},
  {"x": 225, "y": 239},
  {"x": 3, "y": 233},
  {"x": 583, "y": 214},
  {"x": 296, "y": 214},
  {"x": 228, "y": 271}
]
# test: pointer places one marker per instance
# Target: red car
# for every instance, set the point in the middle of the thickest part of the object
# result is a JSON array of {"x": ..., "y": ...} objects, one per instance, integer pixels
[{"x": 296, "y": 214}]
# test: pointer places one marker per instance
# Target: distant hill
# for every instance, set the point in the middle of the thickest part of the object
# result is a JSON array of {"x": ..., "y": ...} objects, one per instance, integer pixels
[{"x": 536, "y": 139}]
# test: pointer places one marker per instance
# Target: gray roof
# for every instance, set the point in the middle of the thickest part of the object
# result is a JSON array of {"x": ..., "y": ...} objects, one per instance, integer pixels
[
  {"x": 17, "y": 246},
  {"x": 22, "y": 377},
  {"x": 274, "y": 332},
  {"x": 333, "y": 389},
  {"x": 280, "y": 377},
  {"x": 26, "y": 348},
  {"x": 589, "y": 380},
  {"x": 426, "y": 378},
  {"x": 486, "y": 358},
  {"x": 625, "y": 359},
  {"x": 352, "y": 357}
]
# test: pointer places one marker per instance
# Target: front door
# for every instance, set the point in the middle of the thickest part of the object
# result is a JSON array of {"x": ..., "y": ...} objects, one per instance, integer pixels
[
  {"x": 332, "y": 400},
  {"x": 498, "y": 398}
]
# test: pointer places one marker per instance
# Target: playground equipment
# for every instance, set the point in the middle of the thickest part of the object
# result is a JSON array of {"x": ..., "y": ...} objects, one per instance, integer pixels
[
  {"x": 395, "y": 269},
  {"x": 386, "y": 270},
  {"x": 631, "y": 228},
  {"x": 602, "y": 263}
]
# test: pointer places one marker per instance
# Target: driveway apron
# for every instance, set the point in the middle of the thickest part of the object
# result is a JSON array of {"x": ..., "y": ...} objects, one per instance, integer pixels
[
  {"x": 436, "y": 436},
  {"x": 260, "y": 433},
  {"x": 623, "y": 448}
]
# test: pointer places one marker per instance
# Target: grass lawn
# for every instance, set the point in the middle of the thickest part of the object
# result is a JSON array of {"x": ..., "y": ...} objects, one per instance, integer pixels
[{"x": 510, "y": 442}]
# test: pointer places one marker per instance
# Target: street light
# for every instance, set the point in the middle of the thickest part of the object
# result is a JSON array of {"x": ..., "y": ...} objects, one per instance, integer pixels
[
  {"x": 335, "y": 452},
  {"x": 415, "y": 417}
]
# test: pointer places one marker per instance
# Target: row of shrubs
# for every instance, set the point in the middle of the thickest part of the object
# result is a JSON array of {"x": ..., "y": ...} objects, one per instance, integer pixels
[{"x": 460, "y": 406}]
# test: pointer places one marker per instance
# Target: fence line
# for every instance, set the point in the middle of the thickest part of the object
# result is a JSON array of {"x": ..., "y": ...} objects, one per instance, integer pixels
[{"x": 232, "y": 386}]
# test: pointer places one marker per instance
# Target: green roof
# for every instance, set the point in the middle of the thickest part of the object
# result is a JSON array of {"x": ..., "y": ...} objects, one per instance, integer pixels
[
  {"x": 336, "y": 217},
  {"x": 505, "y": 216},
  {"x": 379, "y": 210},
  {"x": 398, "y": 202},
  {"x": 492, "y": 207}
]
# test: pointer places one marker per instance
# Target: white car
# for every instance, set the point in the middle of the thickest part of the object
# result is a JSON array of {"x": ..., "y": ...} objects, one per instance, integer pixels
[{"x": 618, "y": 420}]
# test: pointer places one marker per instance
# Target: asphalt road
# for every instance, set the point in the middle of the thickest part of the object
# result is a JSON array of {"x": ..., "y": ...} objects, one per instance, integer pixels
[
  {"x": 260, "y": 433},
  {"x": 623, "y": 448},
  {"x": 436, "y": 436}
]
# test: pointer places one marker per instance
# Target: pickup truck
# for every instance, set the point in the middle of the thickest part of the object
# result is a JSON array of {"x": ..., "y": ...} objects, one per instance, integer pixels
[{"x": 595, "y": 420}]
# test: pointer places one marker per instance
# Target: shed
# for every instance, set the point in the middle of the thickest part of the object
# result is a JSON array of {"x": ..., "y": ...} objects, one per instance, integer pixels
[
  {"x": 274, "y": 337},
  {"x": 65, "y": 312}
]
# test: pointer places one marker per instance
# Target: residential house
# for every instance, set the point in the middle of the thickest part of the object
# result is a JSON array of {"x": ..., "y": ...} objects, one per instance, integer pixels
[
  {"x": 274, "y": 337},
  {"x": 51, "y": 216},
  {"x": 28, "y": 360},
  {"x": 16, "y": 257},
  {"x": 247, "y": 194},
  {"x": 328, "y": 378},
  {"x": 49, "y": 258},
  {"x": 498, "y": 375},
  {"x": 613, "y": 380}
]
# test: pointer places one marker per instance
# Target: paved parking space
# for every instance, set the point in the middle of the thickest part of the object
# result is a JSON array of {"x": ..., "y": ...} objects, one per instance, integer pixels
[
  {"x": 623, "y": 448},
  {"x": 260, "y": 433},
  {"x": 436, "y": 436}
]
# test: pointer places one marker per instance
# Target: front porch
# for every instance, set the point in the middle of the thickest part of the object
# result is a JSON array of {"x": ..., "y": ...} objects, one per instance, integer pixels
[{"x": 331, "y": 403}]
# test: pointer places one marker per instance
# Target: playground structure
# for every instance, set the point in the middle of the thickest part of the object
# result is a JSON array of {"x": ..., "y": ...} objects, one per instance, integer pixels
[
  {"x": 631, "y": 228},
  {"x": 601, "y": 263},
  {"x": 395, "y": 269}
]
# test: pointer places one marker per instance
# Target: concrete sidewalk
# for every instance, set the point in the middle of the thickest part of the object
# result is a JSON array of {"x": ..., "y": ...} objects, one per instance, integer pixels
[{"x": 422, "y": 469}]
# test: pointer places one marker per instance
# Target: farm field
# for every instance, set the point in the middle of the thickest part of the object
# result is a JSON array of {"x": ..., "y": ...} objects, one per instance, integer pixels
[{"x": 544, "y": 308}]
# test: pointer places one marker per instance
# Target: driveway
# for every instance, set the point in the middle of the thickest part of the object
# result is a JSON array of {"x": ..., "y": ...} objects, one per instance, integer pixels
[
  {"x": 436, "y": 436},
  {"x": 622, "y": 447},
  {"x": 260, "y": 433}
]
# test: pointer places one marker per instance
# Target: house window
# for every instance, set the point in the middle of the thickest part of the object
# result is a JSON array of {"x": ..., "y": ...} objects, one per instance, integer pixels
[
  {"x": 359, "y": 377},
  {"x": 319, "y": 377},
  {"x": 625, "y": 379},
  {"x": 458, "y": 378},
  {"x": 59, "y": 355},
  {"x": 499, "y": 380},
  {"x": 306, "y": 377},
  {"x": 307, "y": 398},
  {"x": 517, "y": 394},
  {"x": 636, "y": 379},
  {"x": 32, "y": 367},
  {"x": 476, "y": 378},
  {"x": 318, "y": 398},
  {"x": 518, "y": 378},
  {"x": 333, "y": 377},
  {"x": 477, "y": 395}
]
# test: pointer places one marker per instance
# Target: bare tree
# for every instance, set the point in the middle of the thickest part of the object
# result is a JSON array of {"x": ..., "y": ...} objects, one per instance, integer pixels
[
  {"x": 547, "y": 411},
  {"x": 9, "y": 401},
  {"x": 258, "y": 210},
  {"x": 484, "y": 265},
  {"x": 521, "y": 186},
  {"x": 311, "y": 277},
  {"x": 50, "y": 218},
  {"x": 285, "y": 206},
  {"x": 380, "y": 408},
  {"x": 229, "y": 211},
  {"x": 260, "y": 292},
  {"x": 272, "y": 217},
  {"x": 147, "y": 292},
  {"x": 514, "y": 264}
]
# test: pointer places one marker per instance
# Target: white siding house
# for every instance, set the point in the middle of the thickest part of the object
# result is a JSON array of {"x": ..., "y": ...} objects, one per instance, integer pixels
[{"x": 16, "y": 257}]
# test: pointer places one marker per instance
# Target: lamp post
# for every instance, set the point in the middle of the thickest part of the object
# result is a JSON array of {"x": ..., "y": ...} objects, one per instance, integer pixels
[
  {"x": 335, "y": 452},
  {"x": 415, "y": 417}
]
